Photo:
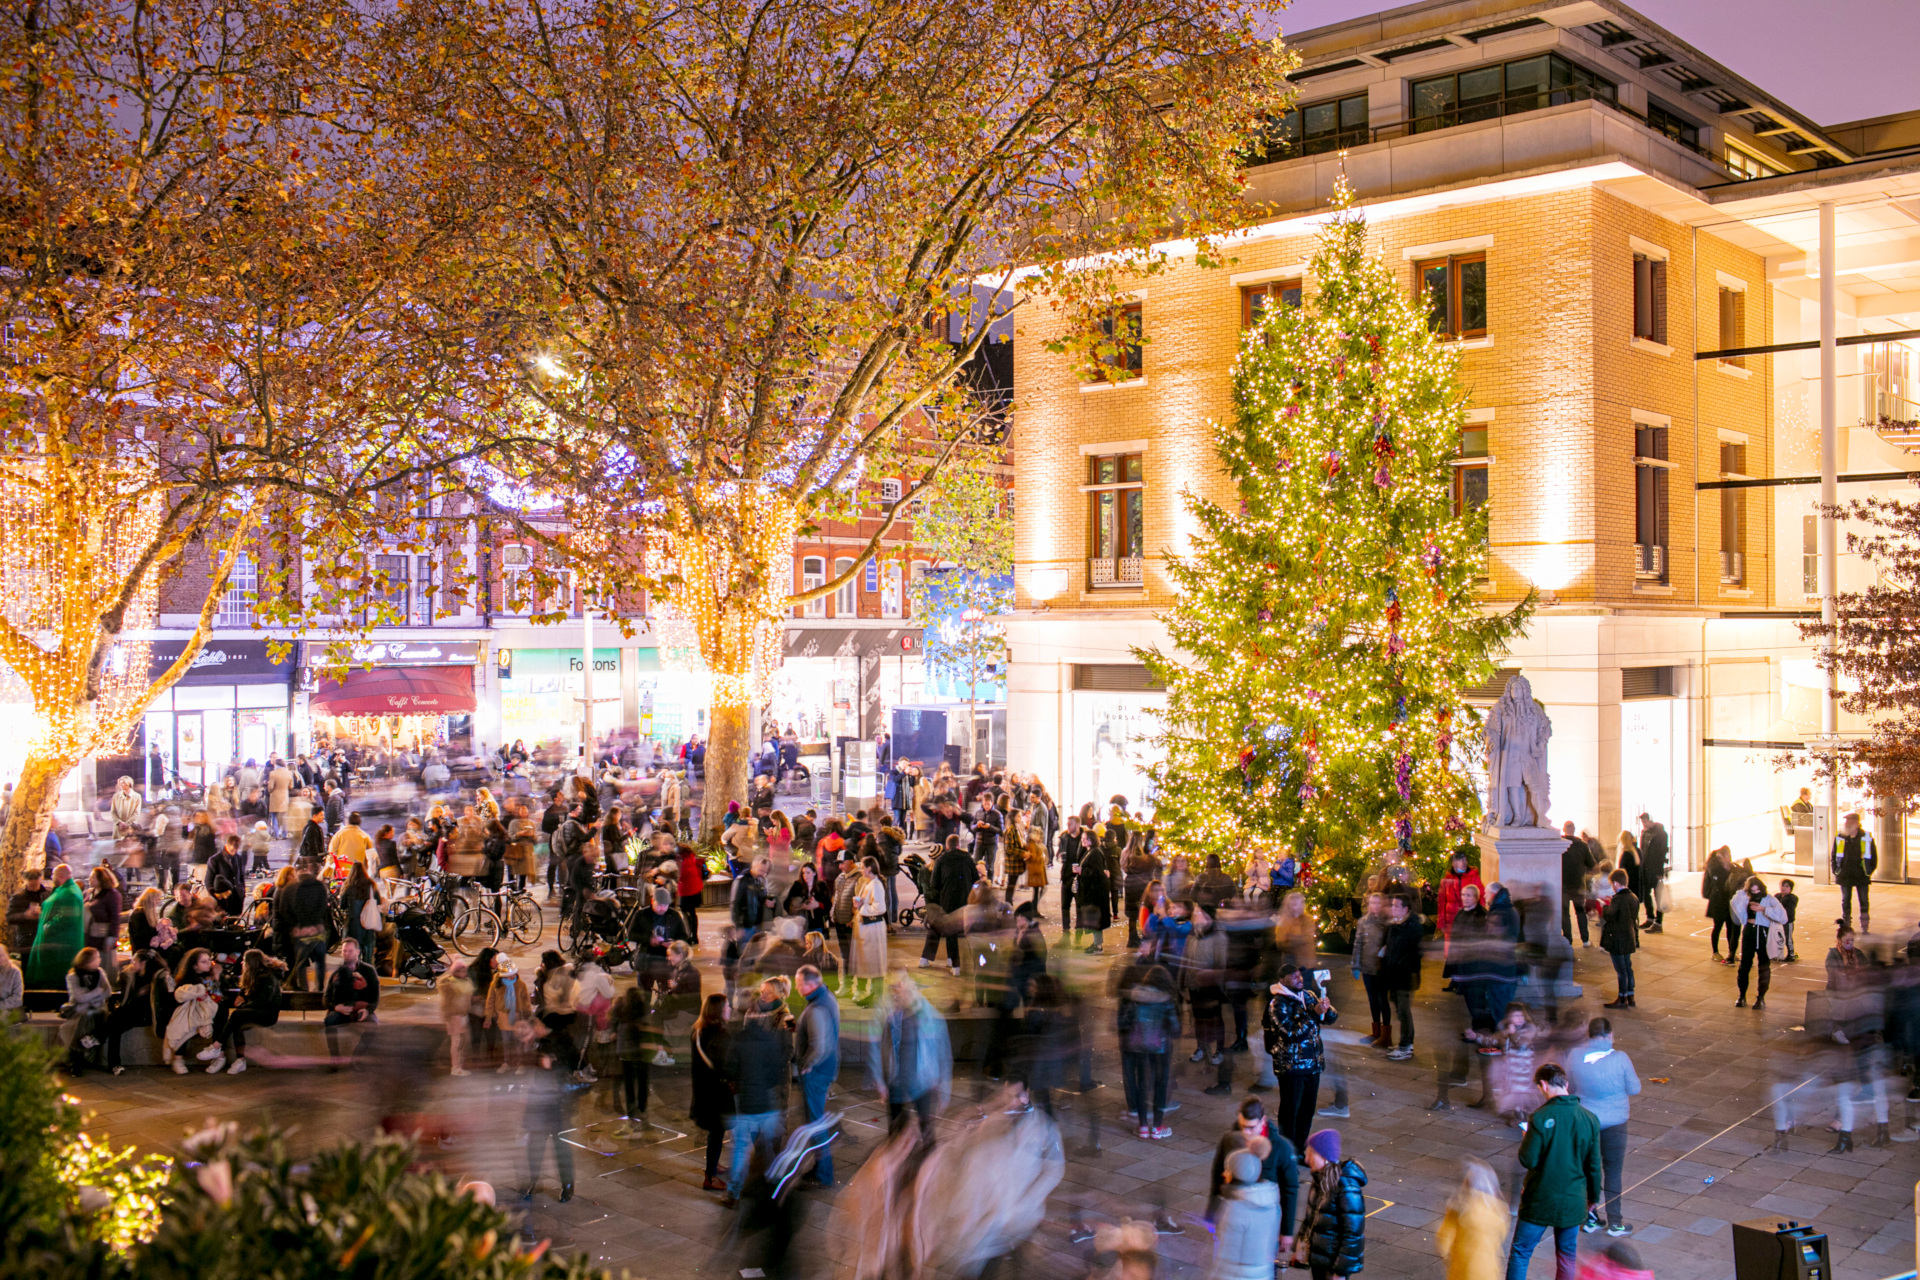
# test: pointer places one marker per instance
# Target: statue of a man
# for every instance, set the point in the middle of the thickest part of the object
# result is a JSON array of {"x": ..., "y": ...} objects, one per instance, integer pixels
[{"x": 1517, "y": 733}]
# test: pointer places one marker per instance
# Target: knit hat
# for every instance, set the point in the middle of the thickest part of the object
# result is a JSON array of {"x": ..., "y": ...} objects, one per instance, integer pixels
[
  {"x": 1327, "y": 1143},
  {"x": 1243, "y": 1167}
]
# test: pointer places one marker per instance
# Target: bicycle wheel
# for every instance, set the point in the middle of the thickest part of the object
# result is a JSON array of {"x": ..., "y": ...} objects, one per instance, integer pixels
[
  {"x": 474, "y": 928},
  {"x": 564, "y": 936},
  {"x": 523, "y": 919}
]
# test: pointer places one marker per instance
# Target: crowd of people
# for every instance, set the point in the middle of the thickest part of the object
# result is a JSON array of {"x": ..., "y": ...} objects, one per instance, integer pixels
[{"x": 1226, "y": 968}]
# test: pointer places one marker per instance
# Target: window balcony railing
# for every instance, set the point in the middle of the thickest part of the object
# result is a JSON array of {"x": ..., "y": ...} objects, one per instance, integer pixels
[
  {"x": 1649, "y": 561},
  {"x": 1810, "y": 575},
  {"x": 1733, "y": 567},
  {"x": 1127, "y": 571}
]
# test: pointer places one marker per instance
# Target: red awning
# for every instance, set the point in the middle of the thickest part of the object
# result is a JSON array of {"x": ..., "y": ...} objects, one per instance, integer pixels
[{"x": 396, "y": 691}]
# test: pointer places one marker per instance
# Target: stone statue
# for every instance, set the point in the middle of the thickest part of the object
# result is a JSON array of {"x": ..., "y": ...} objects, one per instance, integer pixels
[{"x": 1517, "y": 734}]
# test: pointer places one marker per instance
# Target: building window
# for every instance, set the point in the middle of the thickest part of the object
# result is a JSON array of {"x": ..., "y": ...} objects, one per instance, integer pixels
[
  {"x": 1116, "y": 509},
  {"x": 1733, "y": 324},
  {"x": 846, "y": 601},
  {"x": 1733, "y": 514},
  {"x": 1650, "y": 466},
  {"x": 890, "y": 491},
  {"x": 516, "y": 592},
  {"x": 1456, "y": 290},
  {"x": 1314, "y": 130},
  {"x": 1256, "y": 298},
  {"x": 1504, "y": 89},
  {"x": 890, "y": 599},
  {"x": 390, "y": 586},
  {"x": 236, "y": 602},
  {"x": 1746, "y": 166},
  {"x": 1470, "y": 470},
  {"x": 913, "y": 582},
  {"x": 1118, "y": 355},
  {"x": 1810, "y": 556},
  {"x": 813, "y": 575},
  {"x": 422, "y": 591},
  {"x": 1665, "y": 120},
  {"x": 1650, "y": 298}
]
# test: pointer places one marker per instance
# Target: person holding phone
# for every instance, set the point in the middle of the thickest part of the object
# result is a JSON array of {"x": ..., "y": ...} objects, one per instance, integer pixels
[{"x": 1293, "y": 1020}]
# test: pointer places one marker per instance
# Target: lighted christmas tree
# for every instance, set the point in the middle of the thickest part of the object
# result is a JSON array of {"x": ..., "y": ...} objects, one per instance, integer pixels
[{"x": 1328, "y": 628}]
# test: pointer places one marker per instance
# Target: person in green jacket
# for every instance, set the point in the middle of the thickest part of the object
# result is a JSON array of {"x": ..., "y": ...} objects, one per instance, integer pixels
[
  {"x": 1561, "y": 1154},
  {"x": 61, "y": 934}
]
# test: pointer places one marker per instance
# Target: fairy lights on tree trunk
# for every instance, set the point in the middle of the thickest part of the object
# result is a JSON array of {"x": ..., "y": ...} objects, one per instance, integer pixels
[{"x": 1327, "y": 624}]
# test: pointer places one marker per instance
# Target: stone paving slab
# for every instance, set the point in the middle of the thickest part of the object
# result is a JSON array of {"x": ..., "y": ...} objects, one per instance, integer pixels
[{"x": 639, "y": 1205}]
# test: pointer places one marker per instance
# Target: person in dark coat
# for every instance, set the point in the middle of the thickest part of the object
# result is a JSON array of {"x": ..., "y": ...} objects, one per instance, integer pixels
[
  {"x": 1653, "y": 869},
  {"x": 1620, "y": 937},
  {"x": 1400, "y": 968},
  {"x": 1716, "y": 887},
  {"x": 1279, "y": 1163},
  {"x": 1094, "y": 887},
  {"x": 1332, "y": 1240},
  {"x": 227, "y": 879},
  {"x": 549, "y": 1115},
  {"x": 949, "y": 883},
  {"x": 1564, "y": 1184},
  {"x": 1576, "y": 864},
  {"x": 712, "y": 1106}
]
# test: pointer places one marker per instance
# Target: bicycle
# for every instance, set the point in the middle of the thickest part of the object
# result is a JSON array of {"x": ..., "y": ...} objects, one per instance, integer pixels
[
  {"x": 520, "y": 916},
  {"x": 470, "y": 925}
]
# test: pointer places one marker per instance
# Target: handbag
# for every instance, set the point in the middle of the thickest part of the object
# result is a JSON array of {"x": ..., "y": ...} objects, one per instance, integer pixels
[
  {"x": 1776, "y": 942},
  {"x": 370, "y": 916},
  {"x": 1662, "y": 898}
]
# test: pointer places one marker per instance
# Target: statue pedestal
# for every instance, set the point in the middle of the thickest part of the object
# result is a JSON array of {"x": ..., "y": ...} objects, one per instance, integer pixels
[{"x": 1527, "y": 861}]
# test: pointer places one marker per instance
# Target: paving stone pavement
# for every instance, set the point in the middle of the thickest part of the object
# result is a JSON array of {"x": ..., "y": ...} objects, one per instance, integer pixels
[{"x": 1699, "y": 1157}]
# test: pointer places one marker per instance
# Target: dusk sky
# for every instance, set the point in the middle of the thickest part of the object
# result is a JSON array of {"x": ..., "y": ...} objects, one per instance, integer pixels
[{"x": 1835, "y": 61}]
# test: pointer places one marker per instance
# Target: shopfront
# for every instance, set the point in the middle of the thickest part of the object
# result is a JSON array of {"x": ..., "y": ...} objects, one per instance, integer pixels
[
  {"x": 844, "y": 681},
  {"x": 230, "y": 707},
  {"x": 1113, "y": 747},
  {"x": 401, "y": 694},
  {"x": 541, "y": 692}
]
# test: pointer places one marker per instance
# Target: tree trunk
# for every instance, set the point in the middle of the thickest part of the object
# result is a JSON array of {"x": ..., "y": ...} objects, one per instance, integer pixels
[
  {"x": 34, "y": 798},
  {"x": 727, "y": 748}
]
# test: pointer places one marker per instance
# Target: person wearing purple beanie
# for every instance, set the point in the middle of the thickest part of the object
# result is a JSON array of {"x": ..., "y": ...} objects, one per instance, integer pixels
[{"x": 1332, "y": 1237}]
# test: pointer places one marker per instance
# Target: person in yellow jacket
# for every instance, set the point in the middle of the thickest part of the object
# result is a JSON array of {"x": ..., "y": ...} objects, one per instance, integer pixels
[
  {"x": 1472, "y": 1236},
  {"x": 349, "y": 844}
]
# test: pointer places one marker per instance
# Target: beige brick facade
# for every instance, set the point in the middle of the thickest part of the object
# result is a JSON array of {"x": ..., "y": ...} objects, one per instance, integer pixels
[{"x": 1557, "y": 368}]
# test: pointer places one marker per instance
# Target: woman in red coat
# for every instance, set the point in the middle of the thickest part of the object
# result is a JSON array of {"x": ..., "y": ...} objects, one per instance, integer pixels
[
  {"x": 1459, "y": 874},
  {"x": 693, "y": 883}
]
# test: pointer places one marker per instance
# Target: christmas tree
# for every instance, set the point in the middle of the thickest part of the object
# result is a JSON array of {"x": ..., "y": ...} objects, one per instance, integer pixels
[{"x": 1327, "y": 628}]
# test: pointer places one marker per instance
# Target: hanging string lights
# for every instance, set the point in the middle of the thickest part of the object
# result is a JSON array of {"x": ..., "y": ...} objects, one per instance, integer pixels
[{"x": 1327, "y": 625}]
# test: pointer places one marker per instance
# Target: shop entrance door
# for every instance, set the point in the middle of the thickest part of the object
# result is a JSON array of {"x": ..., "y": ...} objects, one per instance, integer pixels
[{"x": 192, "y": 746}]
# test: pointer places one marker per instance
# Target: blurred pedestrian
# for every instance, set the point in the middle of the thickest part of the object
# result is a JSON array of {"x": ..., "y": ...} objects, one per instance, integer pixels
[
  {"x": 759, "y": 1065},
  {"x": 712, "y": 1103},
  {"x": 1472, "y": 1235},
  {"x": 816, "y": 1055},
  {"x": 1149, "y": 1026},
  {"x": 1247, "y": 1225}
]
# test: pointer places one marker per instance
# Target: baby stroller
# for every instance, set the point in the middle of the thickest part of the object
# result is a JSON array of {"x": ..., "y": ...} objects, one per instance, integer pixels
[
  {"x": 420, "y": 957},
  {"x": 600, "y": 927},
  {"x": 917, "y": 869}
]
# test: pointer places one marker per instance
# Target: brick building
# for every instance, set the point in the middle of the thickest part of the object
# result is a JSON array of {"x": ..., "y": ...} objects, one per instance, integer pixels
[{"x": 1590, "y": 203}]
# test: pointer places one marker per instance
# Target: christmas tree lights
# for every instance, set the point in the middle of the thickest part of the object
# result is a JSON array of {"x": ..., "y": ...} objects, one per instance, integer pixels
[{"x": 1326, "y": 630}]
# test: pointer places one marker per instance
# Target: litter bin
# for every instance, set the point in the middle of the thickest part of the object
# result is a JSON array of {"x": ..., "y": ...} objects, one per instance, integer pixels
[{"x": 1775, "y": 1249}]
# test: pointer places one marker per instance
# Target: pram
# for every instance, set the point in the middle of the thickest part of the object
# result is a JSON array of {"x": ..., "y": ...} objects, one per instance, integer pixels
[
  {"x": 917, "y": 869},
  {"x": 420, "y": 957},
  {"x": 599, "y": 931}
]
